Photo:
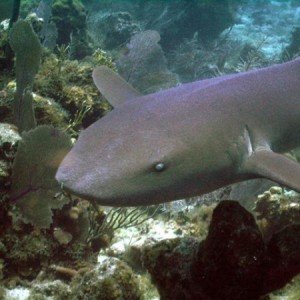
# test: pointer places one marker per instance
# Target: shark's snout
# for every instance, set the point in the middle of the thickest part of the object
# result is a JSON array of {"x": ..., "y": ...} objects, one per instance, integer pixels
[
  {"x": 62, "y": 178},
  {"x": 67, "y": 174}
]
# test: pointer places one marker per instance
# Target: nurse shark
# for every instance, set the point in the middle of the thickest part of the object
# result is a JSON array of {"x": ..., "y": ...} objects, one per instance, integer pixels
[{"x": 187, "y": 140}]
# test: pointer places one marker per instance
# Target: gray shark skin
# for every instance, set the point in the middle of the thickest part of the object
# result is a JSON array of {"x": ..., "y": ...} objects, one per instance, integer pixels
[{"x": 187, "y": 140}]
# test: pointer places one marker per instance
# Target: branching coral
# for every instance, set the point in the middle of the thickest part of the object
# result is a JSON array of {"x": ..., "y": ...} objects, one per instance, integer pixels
[
  {"x": 251, "y": 57},
  {"x": 103, "y": 225}
]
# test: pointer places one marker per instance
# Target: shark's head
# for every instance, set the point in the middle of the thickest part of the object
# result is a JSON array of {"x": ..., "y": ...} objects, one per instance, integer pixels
[
  {"x": 126, "y": 158},
  {"x": 122, "y": 161}
]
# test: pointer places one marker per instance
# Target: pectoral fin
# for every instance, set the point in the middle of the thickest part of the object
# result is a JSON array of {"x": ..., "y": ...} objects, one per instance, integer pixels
[
  {"x": 277, "y": 167},
  {"x": 113, "y": 87}
]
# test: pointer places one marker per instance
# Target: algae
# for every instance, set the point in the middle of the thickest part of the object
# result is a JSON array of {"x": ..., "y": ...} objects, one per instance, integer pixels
[{"x": 27, "y": 48}]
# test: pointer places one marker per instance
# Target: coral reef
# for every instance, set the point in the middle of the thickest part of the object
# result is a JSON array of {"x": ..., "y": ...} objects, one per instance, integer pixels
[
  {"x": 4, "y": 44},
  {"x": 8, "y": 146},
  {"x": 111, "y": 280},
  {"x": 291, "y": 291},
  {"x": 208, "y": 18},
  {"x": 112, "y": 30},
  {"x": 48, "y": 30},
  {"x": 144, "y": 65},
  {"x": 63, "y": 23},
  {"x": 63, "y": 240},
  {"x": 33, "y": 184},
  {"x": 70, "y": 84},
  {"x": 69, "y": 16},
  {"x": 27, "y": 48},
  {"x": 9, "y": 139},
  {"x": 25, "y": 253},
  {"x": 46, "y": 110},
  {"x": 28, "y": 6},
  {"x": 104, "y": 224},
  {"x": 174, "y": 20},
  {"x": 232, "y": 263},
  {"x": 56, "y": 290},
  {"x": 276, "y": 209}
]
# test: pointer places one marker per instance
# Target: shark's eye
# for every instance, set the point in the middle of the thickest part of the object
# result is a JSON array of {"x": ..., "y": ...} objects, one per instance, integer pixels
[{"x": 159, "y": 167}]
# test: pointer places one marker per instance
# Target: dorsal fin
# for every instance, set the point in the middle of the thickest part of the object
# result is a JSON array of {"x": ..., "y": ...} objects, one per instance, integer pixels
[{"x": 112, "y": 86}]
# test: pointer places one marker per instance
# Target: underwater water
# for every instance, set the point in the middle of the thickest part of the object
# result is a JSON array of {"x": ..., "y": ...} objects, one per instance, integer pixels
[{"x": 76, "y": 233}]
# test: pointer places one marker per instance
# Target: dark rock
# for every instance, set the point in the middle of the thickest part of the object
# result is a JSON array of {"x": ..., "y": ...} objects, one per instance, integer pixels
[
  {"x": 283, "y": 257},
  {"x": 69, "y": 16},
  {"x": 112, "y": 29},
  {"x": 232, "y": 263},
  {"x": 169, "y": 263},
  {"x": 232, "y": 256}
]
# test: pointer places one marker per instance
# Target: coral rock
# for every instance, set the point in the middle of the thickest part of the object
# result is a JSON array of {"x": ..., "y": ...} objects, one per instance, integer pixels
[
  {"x": 234, "y": 262},
  {"x": 112, "y": 280}
]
